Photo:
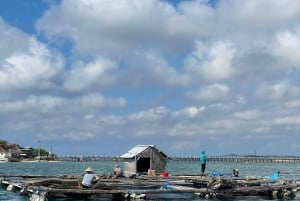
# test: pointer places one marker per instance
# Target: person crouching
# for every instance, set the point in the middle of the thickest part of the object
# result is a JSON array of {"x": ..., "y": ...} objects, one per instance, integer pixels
[{"x": 89, "y": 178}]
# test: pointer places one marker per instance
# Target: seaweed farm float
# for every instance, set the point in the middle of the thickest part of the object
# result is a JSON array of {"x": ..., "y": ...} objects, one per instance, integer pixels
[
  {"x": 145, "y": 186},
  {"x": 144, "y": 176}
]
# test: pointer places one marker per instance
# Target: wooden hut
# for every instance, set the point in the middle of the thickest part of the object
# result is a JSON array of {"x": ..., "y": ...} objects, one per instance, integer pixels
[{"x": 142, "y": 158}]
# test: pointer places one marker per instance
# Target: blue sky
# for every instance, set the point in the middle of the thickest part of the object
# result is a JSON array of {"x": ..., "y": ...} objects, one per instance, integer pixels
[{"x": 99, "y": 77}]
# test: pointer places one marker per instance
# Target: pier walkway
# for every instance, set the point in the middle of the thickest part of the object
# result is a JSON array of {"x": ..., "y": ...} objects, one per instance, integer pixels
[
  {"x": 227, "y": 159},
  {"x": 244, "y": 159}
]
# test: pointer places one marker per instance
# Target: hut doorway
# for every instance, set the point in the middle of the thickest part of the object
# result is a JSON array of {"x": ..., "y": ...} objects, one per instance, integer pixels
[{"x": 143, "y": 165}]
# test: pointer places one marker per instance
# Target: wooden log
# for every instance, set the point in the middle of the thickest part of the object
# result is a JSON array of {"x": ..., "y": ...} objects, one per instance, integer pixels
[
  {"x": 121, "y": 191},
  {"x": 216, "y": 186}
]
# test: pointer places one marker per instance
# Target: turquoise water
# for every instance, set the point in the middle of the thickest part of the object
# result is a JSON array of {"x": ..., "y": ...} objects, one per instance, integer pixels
[{"x": 289, "y": 171}]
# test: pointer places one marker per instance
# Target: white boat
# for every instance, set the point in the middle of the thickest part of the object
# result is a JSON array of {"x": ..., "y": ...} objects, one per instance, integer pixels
[{"x": 3, "y": 160}]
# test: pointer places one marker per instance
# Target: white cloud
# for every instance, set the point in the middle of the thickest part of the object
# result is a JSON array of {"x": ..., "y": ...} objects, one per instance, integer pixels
[
  {"x": 185, "y": 129},
  {"x": 150, "y": 115},
  {"x": 277, "y": 91},
  {"x": 214, "y": 92},
  {"x": 11, "y": 40},
  {"x": 77, "y": 136},
  {"x": 93, "y": 74},
  {"x": 32, "y": 69},
  {"x": 114, "y": 33},
  {"x": 213, "y": 62},
  {"x": 247, "y": 115},
  {"x": 89, "y": 116},
  {"x": 99, "y": 101},
  {"x": 148, "y": 67},
  {"x": 287, "y": 47},
  {"x": 123, "y": 57},
  {"x": 292, "y": 104},
  {"x": 190, "y": 20},
  {"x": 32, "y": 103},
  {"x": 262, "y": 130},
  {"x": 95, "y": 28},
  {"x": 189, "y": 112},
  {"x": 182, "y": 145},
  {"x": 251, "y": 15},
  {"x": 289, "y": 120},
  {"x": 51, "y": 104}
]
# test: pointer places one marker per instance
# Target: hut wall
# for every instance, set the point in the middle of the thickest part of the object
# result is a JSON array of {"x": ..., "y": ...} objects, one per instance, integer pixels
[
  {"x": 158, "y": 162},
  {"x": 129, "y": 168}
]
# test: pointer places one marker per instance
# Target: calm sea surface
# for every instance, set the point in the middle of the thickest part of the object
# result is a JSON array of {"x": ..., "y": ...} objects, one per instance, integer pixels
[{"x": 288, "y": 171}]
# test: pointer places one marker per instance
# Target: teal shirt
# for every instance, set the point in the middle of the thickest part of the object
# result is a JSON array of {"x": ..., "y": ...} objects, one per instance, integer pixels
[{"x": 203, "y": 158}]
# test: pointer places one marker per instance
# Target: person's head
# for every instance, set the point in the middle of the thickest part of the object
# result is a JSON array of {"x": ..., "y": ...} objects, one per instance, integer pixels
[
  {"x": 203, "y": 152},
  {"x": 117, "y": 166},
  {"x": 89, "y": 170}
]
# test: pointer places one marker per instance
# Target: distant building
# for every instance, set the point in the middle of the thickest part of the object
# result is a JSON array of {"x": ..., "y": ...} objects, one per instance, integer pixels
[
  {"x": 142, "y": 158},
  {"x": 15, "y": 150}
]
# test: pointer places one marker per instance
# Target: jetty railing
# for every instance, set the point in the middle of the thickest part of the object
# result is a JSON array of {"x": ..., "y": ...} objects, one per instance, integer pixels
[
  {"x": 244, "y": 159},
  {"x": 227, "y": 159}
]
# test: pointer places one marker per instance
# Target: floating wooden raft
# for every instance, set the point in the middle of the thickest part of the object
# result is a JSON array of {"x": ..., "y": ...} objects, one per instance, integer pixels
[{"x": 41, "y": 188}]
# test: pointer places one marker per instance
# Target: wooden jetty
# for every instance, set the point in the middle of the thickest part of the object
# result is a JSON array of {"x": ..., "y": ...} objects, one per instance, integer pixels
[
  {"x": 143, "y": 186},
  {"x": 243, "y": 159},
  {"x": 226, "y": 158}
]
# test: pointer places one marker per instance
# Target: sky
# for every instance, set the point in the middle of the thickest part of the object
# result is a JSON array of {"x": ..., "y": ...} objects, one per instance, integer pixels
[{"x": 98, "y": 77}]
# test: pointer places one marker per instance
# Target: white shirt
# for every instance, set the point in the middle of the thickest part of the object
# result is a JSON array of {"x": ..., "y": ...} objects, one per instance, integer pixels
[{"x": 89, "y": 179}]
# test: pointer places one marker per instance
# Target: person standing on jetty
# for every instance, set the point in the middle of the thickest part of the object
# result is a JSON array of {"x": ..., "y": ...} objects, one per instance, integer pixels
[
  {"x": 203, "y": 159},
  {"x": 89, "y": 178}
]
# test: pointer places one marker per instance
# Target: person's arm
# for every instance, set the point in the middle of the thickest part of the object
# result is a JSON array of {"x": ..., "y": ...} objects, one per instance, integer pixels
[{"x": 96, "y": 179}]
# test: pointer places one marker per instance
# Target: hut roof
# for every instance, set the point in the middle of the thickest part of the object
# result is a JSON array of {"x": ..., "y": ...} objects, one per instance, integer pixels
[
  {"x": 2, "y": 149},
  {"x": 137, "y": 150}
]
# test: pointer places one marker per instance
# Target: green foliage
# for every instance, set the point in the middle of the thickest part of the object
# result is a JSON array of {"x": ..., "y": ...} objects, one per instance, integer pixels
[
  {"x": 3, "y": 142},
  {"x": 43, "y": 152}
]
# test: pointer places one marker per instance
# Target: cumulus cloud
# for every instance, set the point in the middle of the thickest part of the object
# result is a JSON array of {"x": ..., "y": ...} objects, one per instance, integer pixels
[
  {"x": 251, "y": 16},
  {"x": 292, "y": 104},
  {"x": 154, "y": 114},
  {"x": 214, "y": 92},
  {"x": 286, "y": 47},
  {"x": 290, "y": 120},
  {"x": 34, "y": 68},
  {"x": 213, "y": 62},
  {"x": 99, "y": 101},
  {"x": 189, "y": 112},
  {"x": 32, "y": 103},
  {"x": 61, "y": 104},
  {"x": 103, "y": 31},
  {"x": 77, "y": 136},
  {"x": 248, "y": 115},
  {"x": 277, "y": 91},
  {"x": 143, "y": 70},
  {"x": 96, "y": 73},
  {"x": 11, "y": 40}
]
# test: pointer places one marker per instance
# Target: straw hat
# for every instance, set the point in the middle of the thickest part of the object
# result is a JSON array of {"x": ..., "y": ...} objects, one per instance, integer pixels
[{"x": 89, "y": 169}]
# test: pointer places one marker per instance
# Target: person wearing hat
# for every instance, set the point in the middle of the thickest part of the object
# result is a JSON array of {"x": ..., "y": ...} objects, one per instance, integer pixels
[{"x": 89, "y": 178}]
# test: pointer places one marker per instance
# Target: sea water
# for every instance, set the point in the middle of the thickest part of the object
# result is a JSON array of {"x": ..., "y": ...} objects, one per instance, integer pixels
[{"x": 290, "y": 171}]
